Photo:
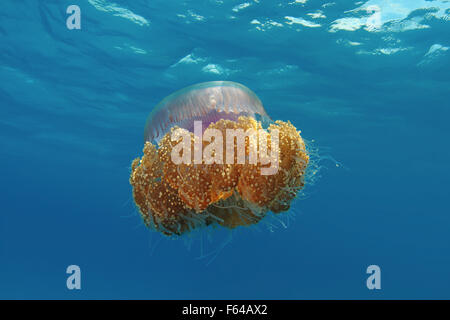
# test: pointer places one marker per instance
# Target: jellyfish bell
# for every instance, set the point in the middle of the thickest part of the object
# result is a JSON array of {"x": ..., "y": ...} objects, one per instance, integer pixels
[
  {"x": 175, "y": 197},
  {"x": 207, "y": 102}
]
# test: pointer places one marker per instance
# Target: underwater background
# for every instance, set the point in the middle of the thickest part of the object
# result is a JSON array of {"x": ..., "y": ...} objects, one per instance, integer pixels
[{"x": 368, "y": 81}]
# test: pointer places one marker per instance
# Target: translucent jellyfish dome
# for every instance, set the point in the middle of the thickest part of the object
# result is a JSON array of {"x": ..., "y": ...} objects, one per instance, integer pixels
[
  {"x": 208, "y": 102},
  {"x": 232, "y": 172}
]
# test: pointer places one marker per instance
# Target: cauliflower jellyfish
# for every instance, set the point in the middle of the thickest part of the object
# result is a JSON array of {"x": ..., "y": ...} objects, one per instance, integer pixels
[{"x": 207, "y": 153}]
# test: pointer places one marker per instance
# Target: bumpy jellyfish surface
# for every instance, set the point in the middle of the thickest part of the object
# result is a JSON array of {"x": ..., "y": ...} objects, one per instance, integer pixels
[{"x": 174, "y": 198}]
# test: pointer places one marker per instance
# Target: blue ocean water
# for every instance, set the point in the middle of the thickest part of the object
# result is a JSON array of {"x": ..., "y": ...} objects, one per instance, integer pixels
[{"x": 368, "y": 81}]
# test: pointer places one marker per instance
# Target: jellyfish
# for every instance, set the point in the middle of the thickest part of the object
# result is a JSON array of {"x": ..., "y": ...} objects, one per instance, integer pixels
[{"x": 193, "y": 175}]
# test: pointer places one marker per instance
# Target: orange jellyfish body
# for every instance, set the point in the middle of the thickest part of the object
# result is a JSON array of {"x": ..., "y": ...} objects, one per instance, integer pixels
[{"x": 175, "y": 198}]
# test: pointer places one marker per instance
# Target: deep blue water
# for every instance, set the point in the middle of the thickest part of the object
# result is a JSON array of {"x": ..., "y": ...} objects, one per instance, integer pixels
[{"x": 368, "y": 81}]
